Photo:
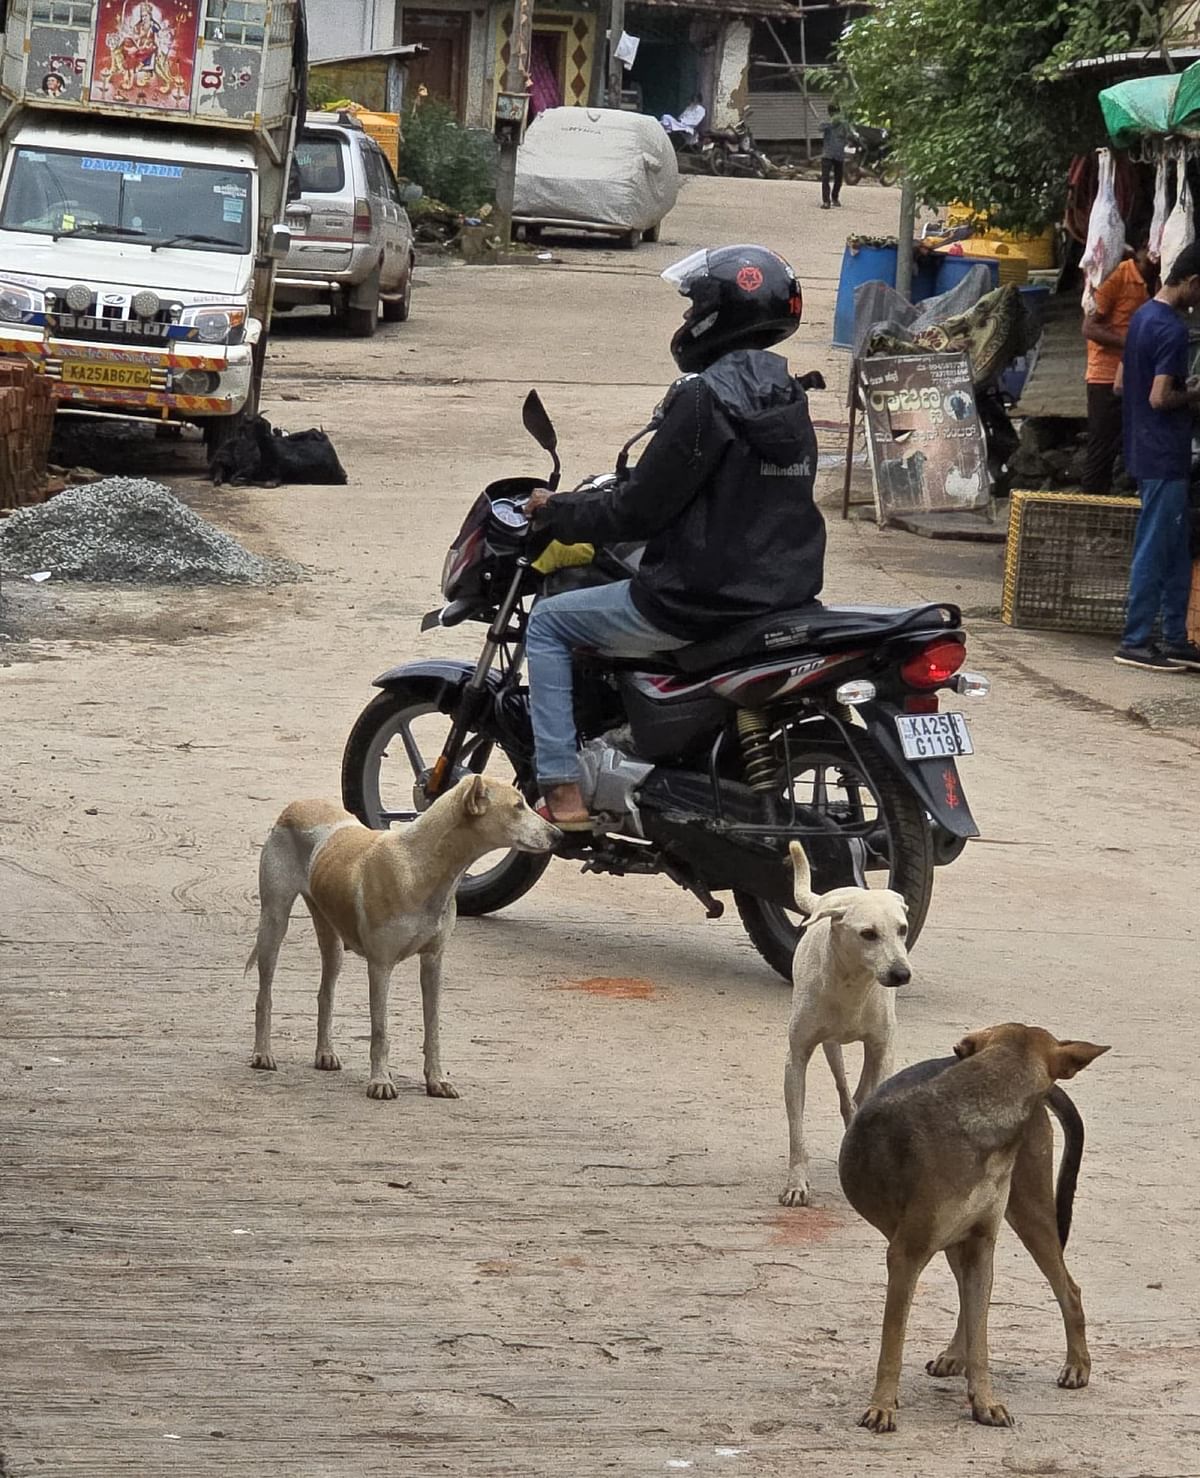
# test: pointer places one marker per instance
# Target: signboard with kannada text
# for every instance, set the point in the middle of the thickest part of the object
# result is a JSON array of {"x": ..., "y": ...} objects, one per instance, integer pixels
[{"x": 924, "y": 435}]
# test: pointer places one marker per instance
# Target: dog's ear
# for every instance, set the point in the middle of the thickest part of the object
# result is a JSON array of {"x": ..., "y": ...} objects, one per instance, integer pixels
[
  {"x": 1072, "y": 1057},
  {"x": 475, "y": 797},
  {"x": 973, "y": 1042},
  {"x": 834, "y": 912}
]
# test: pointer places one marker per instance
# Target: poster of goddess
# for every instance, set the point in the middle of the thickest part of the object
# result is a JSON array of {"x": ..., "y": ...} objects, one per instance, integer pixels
[{"x": 145, "y": 53}]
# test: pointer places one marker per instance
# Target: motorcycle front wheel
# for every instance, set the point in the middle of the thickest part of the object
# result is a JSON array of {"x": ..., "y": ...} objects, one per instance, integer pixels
[
  {"x": 860, "y": 790},
  {"x": 851, "y": 172},
  {"x": 391, "y": 749}
]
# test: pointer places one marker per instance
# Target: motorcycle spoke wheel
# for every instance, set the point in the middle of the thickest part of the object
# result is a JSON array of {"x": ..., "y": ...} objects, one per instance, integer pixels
[
  {"x": 891, "y": 841},
  {"x": 388, "y": 757}
]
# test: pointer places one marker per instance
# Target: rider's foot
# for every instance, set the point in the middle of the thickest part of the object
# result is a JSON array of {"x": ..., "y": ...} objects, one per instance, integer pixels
[{"x": 563, "y": 805}]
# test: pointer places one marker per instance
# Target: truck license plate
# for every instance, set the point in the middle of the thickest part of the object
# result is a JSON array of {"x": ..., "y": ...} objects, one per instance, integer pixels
[
  {"x": 933, "y": 736},
  {"x": 112, "y": 376}
]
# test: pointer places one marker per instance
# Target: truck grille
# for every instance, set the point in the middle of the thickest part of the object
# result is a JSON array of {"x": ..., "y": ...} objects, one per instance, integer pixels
[{"x": 111, "y": 320}]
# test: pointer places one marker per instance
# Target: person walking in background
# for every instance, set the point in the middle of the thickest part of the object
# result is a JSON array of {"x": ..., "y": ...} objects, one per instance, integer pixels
[
  {"x": 835, "y": 135},
  {"x": 1118, "y": 298},
  {"x": 1157, "y": 400}
]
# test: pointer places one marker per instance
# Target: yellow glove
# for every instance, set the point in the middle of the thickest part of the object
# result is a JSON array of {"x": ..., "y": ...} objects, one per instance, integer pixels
[{"x": 559, "y": 556}]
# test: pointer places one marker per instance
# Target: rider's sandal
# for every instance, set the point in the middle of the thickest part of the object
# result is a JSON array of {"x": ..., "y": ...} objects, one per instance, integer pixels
[{"x": 584, "y": 823}]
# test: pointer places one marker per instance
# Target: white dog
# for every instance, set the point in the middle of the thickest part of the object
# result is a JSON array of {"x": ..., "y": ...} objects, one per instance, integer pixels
[
  {"x": 845, "y": 970},
  {"x": 385, "y": 895}
]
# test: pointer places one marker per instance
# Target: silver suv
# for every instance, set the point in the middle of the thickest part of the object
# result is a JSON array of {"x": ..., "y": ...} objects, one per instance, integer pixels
[{"x": 352, "y": 242}]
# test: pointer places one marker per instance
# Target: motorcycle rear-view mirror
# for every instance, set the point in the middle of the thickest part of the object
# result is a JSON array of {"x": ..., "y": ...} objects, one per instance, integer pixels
[{"x": 537, "y": 422}]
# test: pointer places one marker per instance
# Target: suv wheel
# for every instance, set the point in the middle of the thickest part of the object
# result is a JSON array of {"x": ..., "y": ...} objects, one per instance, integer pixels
[{"x": 396, "y": 310}]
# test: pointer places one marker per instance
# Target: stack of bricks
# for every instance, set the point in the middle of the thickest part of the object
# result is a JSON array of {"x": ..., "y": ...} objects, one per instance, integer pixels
[{"x": 26, "y": 425}]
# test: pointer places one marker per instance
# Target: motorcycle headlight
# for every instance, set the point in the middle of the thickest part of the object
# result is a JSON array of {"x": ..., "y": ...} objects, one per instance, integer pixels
[
  {"x": 215, "y": 324},
  {"x": 16, "y": 302}
]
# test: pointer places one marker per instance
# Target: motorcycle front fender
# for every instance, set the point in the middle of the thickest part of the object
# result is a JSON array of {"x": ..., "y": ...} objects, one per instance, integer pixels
[
  {"x": 451, "y": 676},
  {"x": 935, "y": 782}
]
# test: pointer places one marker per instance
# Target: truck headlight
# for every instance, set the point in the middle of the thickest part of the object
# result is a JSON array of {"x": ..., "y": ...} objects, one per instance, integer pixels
[
  {"x": 16, "y": 302},
  {"x": 216, "y": 324}
]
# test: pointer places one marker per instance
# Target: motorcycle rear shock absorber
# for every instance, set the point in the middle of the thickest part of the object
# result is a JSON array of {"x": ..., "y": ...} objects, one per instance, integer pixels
[{"x": 758, "y": 753}]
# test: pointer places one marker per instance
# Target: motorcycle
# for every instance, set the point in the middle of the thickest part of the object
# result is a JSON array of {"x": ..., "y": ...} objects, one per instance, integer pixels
[
  {"x": 821, "y": 725},
  {"x": 870, "y": 149},
  {"x": 734, "y": 151},
  {"x": 695, "y": 153}
]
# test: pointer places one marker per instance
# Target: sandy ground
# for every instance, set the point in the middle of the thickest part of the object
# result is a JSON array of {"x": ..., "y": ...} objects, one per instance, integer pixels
[{"x": 580, "y": 1266}]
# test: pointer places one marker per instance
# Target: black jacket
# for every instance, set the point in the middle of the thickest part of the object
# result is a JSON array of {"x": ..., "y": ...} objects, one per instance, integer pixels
[{"x": 723, "y": 495}]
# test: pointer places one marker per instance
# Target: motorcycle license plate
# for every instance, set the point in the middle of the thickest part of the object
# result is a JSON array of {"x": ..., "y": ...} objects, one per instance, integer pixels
[{"x": 933, "y": 736}]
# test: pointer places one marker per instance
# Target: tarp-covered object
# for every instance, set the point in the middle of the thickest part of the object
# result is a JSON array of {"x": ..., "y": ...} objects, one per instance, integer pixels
[
  {"x": 597, "y": 166},
  {"x": 1185, "y": 110},
  {"x": 1139, "y": 108}
]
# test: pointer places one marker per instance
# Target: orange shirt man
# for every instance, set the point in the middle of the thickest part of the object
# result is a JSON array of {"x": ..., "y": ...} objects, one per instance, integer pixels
[{"x": 1118, "y": 298}]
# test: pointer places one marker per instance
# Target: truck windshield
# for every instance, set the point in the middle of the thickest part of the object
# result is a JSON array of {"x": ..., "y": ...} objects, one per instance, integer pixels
[{"x": 59, "y": 192}]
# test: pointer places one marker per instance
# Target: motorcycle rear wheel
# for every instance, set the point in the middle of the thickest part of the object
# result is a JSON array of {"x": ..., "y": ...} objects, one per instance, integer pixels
[
  {"x": 866, "y": 781},
  {"x": 406, "y": 719}
]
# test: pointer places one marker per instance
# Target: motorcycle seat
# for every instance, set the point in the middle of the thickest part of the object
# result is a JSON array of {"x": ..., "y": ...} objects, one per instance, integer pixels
[{"x": 813, "y": 628}]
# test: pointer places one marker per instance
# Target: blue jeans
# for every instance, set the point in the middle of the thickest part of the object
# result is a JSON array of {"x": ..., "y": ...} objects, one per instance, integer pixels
[
  {"x": 603, "y": 618},
  {"x": 1161, "y": 575}
]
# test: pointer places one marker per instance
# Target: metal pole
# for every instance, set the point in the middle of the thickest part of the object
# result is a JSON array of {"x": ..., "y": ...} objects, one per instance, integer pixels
[
  {"x": 515, "y": 79},
  {"x": 616, "y": 68},
  {"x": 905, "y": 232},
  {"x": 804, "y": 82}
]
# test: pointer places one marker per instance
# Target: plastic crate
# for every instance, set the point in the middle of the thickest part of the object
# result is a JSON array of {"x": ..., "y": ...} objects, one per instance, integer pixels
[{"x": 1067, "y": 565}]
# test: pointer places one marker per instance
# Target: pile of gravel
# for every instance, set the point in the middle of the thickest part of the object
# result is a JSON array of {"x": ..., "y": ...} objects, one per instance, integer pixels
[{"x": 129, "y": 531}]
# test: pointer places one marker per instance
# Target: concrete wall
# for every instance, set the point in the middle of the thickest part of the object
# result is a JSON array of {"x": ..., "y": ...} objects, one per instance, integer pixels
[
  {"x": 342, "y": 27},
  {"x": 733, "y": 66}
]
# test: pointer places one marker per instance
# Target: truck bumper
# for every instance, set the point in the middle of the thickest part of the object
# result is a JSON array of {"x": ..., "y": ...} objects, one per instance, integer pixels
[{"x": 166, "y": 384}]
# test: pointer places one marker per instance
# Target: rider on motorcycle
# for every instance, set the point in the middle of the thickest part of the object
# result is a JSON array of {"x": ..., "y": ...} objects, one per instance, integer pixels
[{"x": 722, "y": 495}]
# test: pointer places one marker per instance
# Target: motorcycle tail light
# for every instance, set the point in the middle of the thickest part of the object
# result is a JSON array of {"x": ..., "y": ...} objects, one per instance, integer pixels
[
  {"x": 934, "y": 665},
  {"x": 921, "y": 703}
]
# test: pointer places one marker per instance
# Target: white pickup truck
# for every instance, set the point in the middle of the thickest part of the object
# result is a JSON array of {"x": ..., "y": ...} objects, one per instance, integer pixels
[{"x": 147, "y": 149}]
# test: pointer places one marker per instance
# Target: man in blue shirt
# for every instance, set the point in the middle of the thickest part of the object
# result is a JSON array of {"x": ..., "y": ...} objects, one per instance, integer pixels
[{"x": 1157, "y": 401}]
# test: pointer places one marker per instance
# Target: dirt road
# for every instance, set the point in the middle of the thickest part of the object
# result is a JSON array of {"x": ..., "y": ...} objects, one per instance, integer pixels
[{"x": 580, "y": 1266}]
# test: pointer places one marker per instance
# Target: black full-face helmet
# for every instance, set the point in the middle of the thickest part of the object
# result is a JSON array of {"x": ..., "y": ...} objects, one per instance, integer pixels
[{"x": 742, "y": 297}]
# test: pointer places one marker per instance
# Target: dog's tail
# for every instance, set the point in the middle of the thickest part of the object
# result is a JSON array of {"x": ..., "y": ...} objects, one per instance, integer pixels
[
  {"x": 253, "y": 960},
  {"x": 1072, "y": 1157},
  {"x": 806, "y": 899}
]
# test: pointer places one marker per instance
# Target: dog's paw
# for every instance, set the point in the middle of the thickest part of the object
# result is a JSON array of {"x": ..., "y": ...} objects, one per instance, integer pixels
[
  {"x": 441, "y": 1088},
  {"x": 991, "y": 1414},
  {"x": 1074, "y": 1377},
  {"x": 795, "y": 1195},
  {"x": 327, "y": 1062},
  {"x": 878, "y": 1419},
  {"x": 263, "y": 1061},
  {"x": 382, "y": 1088},
  {"x": 946, "y": 1365}
]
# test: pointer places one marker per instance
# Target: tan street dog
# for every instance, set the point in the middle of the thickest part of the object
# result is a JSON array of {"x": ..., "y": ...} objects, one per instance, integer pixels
[
  {"x": 845, "y": 972},
  {"x": 385, "y": 895},
  {"x": 931, "y": 1162}
]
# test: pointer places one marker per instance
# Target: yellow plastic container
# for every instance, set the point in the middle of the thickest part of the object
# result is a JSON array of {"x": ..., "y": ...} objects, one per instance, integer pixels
[
  {"x": 1014, "y": 265},
  {"x": 384, "y": 128},
  {"x": 1039, "y": 251}
]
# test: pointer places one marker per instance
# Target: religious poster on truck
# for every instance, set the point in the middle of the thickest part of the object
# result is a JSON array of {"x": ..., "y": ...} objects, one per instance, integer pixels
[
  {"x": 924, "y": 436},
  {"x": 145, "y": 53}
]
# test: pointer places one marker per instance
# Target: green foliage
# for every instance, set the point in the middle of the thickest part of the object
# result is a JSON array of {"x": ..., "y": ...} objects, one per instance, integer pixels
[
  {"x": 322, "y": 90},
  {"x": 452, "y": 163},
  {"x": 977, "y": 94}
]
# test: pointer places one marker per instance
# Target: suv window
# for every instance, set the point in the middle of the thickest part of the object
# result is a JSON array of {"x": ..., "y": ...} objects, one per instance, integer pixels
[
  {"x": 321, "y": 164},
  {"x": 375, "y": 164}
]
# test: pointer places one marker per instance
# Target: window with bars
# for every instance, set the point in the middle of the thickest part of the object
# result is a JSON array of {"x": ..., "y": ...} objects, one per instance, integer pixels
[
  {"x": 76, "y": 13},
  {"x": 242, "y": 22}
]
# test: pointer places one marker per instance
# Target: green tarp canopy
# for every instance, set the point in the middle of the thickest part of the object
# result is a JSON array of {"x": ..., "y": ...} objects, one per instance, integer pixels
[
  {"x": 1138, "y": 109},
  {"x": 1152, "y": 107}
]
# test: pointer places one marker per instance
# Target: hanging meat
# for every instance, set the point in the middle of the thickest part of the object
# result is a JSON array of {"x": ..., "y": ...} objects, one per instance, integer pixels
[
  {"x": 1106, "y": 234},
  {"x": 1158, "y": 221},
  {"x": 1180, "y": 230}
]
